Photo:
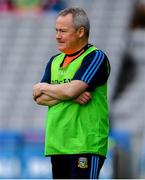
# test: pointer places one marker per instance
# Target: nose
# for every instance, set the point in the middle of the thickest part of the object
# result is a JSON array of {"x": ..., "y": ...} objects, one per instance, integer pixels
[{"x": 58, "y": 35}]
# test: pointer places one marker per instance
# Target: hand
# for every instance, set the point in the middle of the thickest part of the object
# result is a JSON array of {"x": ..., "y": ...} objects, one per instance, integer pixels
[
  {"x": 37, "y": 90},
  {"x": 84, "y": 98},
  {"x": 46, "y": 100}
]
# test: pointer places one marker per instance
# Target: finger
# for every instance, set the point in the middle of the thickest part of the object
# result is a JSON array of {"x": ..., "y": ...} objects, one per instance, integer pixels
[
  {"x": 81, "y": 100},
  {"x": 87, "y": 94},
  {"x": 84, "y": 97}
]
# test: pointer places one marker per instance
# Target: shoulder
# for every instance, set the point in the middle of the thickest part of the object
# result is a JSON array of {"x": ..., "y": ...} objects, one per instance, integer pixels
[
  {"x": 96, "y": 57},
  {"x": 97, "y": 61},
  {"x": 53, "y": 57},
  {"x": 94, "y": 70},
  {"x": 97, "y": 54}
]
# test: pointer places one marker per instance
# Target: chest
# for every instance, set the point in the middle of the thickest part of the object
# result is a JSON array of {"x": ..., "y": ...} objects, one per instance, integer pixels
[{"x": 61, "y": 74}]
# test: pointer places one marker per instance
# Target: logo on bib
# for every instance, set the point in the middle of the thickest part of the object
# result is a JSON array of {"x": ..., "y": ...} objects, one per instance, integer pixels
[{"x": 83, "y": 162}]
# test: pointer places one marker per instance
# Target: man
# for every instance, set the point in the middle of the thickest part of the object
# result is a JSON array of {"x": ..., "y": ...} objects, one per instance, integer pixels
[{"x": 74, "y": 86}]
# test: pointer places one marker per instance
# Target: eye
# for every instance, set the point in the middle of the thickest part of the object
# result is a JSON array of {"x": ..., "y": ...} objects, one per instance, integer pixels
[{"x": 62, "y": 30}]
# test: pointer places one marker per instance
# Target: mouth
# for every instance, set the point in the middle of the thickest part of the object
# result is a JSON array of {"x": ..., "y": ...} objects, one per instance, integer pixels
[{"x": 60, "y": 42}]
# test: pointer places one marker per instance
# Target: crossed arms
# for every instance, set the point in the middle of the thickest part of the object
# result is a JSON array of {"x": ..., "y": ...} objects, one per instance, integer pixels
[{"x": 50, "y": 94}]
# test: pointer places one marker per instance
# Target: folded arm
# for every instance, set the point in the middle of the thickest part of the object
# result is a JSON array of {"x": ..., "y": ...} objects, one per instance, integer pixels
[
  {"x": 60, "y": 92},
  {"x": 46, "y": 100}
]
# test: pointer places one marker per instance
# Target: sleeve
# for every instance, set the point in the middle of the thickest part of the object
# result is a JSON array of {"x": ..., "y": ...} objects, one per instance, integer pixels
[
  {"x": 47, "y": 73},
  {"x": 94, "y": 70}
]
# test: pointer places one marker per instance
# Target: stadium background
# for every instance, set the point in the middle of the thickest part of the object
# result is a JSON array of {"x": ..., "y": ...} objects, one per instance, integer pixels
[{"x": 27, "y": 41}]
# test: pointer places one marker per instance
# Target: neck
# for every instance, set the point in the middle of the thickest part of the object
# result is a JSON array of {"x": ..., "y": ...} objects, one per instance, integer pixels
[
  {"x": 78, "y": 51},
  {"x": 80, "y": 45}
]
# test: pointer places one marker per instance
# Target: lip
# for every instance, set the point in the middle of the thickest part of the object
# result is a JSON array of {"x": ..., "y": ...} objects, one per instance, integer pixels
[{"x": 59, "y": 42}]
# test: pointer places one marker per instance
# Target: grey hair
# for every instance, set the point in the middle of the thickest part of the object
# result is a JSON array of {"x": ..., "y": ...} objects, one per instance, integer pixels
[{"x": 80, "y": 18}]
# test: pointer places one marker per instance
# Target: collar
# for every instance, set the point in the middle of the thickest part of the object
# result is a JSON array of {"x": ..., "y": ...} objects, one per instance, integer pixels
[{"x": 84, "y": 48}]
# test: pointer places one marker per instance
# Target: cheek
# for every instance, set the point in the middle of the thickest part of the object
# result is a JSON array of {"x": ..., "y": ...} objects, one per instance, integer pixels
[{"x": 71, "y": 39}]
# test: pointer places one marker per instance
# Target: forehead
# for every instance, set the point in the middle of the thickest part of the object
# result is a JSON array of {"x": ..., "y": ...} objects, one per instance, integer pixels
[{"x": 66, "y": 20}]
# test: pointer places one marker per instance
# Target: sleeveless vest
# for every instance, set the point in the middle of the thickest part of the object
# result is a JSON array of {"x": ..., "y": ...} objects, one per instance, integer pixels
[{"x": 72, "y": 128}]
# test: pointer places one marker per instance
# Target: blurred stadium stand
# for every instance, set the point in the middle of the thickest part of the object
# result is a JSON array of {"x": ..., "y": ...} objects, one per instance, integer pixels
[
  {"x": 27, "y": 42},
  {"x": 26, "y": 46}
]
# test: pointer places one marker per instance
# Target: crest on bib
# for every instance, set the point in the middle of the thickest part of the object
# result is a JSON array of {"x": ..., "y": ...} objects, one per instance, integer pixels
[{"x": 83, "y": 162}]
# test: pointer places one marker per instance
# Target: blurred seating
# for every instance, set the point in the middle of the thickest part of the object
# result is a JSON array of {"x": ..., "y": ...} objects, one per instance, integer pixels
[
  {"x": 27, "y": 43},
  {"x": 128, "y": 106}
]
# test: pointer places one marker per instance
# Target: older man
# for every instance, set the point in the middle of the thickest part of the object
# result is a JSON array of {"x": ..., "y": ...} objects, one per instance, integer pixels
[{"x": 74, "y": 86}]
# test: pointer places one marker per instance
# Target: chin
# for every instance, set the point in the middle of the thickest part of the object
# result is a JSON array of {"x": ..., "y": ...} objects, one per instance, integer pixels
[{"x": 62, "y": 49}]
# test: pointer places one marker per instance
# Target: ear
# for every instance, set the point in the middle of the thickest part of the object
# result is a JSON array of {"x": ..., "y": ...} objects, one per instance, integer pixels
[{"x": 81, "y": 32}]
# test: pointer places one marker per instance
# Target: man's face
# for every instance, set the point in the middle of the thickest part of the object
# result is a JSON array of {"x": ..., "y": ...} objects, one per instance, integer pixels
[{"x": 66, "y": 35}]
